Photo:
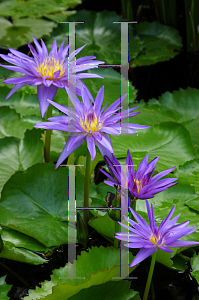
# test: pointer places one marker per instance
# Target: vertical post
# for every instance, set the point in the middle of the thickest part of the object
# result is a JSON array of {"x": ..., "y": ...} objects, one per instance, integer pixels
[
  {"x": 124, "y": 85},
  {"x": 72, "y": 223}
]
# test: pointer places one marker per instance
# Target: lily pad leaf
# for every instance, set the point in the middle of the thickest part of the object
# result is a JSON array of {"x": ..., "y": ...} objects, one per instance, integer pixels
[
  {"x": 168, "y": 140},
  {"x": 20, "y": 254},
  {"x": 161, "y": 43},
  {"x": 91, "y": 270},
  {"x": 4, "y": 288},
  {"x": 37, "y": 196},
  {"x": 22, "y": 30},
  {"x": 12, "y": 125},
  {"x": 37, "y": 8},
  {"x": 195, "y": 267},
  {"x": 111, "y": 290},
  {"x": 189, "y": 172},
  {"x": 16, "y": 154},
  {"x": 100, "y": 34}
]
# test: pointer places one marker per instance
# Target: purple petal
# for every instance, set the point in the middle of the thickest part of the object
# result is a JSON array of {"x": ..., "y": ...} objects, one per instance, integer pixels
[
  {"x": 103, "y": 141},
  {"x": 85, "y": 98},
  {"x": 14, "y": 89},
  {"x": 165, "y": 249},
  {"x": 91, "y": 146},
  {"x": 75, "y": 139},
  {"x": 19, "y": 54},
  {"x": 74, "y": 53},
  {"x": 60, "y": 107},
  {"x": 66, "y": 153},
  {"x": 26, "y": 79},
  {"x": 99, "y": 100},
  {"x": 38, "y": 47},
  {"x": 142, "y": 255},
  {"x": 45, "y": 93},
  {"x": 17, "y": 69},
  {"x": 142, "y": 165},
  {"x": 161, "y": 174},
  {"x": 53, "y": 51},
  {"x": 182, "y": 244}
]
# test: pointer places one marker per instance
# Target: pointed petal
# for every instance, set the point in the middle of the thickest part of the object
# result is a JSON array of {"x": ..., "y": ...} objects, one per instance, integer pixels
[
  {"x": 66, "y": 153},
  {"x": 142, "y": 255},
  {"x": 45, "y": 93},
  {"x": 91, "y": 146},
  {"x": 75, "y": 139},
  {"x": 99, "y": 100}
]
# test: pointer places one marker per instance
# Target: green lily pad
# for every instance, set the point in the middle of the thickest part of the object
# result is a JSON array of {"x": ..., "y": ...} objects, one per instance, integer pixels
[
  {"x": 161, "y": 43},
  {"x": 17, "y": 154},
  {"x": 22, "y": 30},
  {"x": 180, "y": 106},
  {"x": 108, "y": 291},
  {"x": 193, "y": 204},
  {"x": 170, "y": 141},
  {"x": 21, "y": 240},
  {"x": 4, "y": 288},
  {"x": 189, "y": 172},
  {"x": 60, "y": 16},
  {"x": 20, "y": 254},
  {"x": 184, "y": 102},
  {"x": 100, "y": 34},
  {"x": 98, "y": 266},
  {"x": 12, "y": 125},
  {"x": 105, "y": 226},
  {"x": 195, "y": 267},
  {"x": 37, "y": 8},
  {"x": 37, "y": 196}
]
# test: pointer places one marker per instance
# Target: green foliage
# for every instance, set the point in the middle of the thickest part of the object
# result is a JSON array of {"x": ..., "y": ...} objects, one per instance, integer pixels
[
  {"x": 4, "y": 288},
  {"x": 195, "y": 267},
  {"x": 22, "y": 30},
  {"x": 98, "y": 266},
  {"x": 108, "y": 291}
]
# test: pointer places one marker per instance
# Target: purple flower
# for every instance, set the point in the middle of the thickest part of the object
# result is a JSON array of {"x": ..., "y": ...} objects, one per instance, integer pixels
[
  {"x": 49, "y": 71},
  {"x": 150, "y": 238},
  {"x": 141, "y": 185},
  {"x": 91, "y": 123}
]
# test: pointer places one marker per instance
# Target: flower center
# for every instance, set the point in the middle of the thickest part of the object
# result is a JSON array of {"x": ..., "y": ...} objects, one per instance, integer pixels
[
  {"x": 139, "y": 185},
  {"x": 49, "y": 67},
  {"x": 154, "y": 239},
  {"x": 91, "y": 123}
]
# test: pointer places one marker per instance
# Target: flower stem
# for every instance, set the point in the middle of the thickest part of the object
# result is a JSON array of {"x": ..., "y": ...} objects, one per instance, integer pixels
[
  {"x": 117, "y": 229},
  {"x": 146, "y": 292},
  {"x": 86, "y": 188},
  {"x": 48, "y": 133}
]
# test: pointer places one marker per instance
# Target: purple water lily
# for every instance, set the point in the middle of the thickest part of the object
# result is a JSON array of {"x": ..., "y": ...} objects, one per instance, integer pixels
[
  {"x": 49, "y": 71},
  {"x": 141, "y": 185},
  {"x": 150, "y": 237},
  {"x": 91, "y": 123}
]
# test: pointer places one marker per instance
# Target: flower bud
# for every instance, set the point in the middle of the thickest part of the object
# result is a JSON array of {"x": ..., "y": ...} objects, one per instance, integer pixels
[{"x": 114, "y": 201}]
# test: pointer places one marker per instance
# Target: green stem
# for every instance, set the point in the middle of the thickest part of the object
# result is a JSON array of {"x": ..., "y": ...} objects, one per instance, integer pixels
[
  {"x": 15, "y": 274},
  {"x": 146, "y": 292},
  {"x": 48, "y": 133},
  {"x": 86, "y": 188},
  {"x": 116, "y": 241}
]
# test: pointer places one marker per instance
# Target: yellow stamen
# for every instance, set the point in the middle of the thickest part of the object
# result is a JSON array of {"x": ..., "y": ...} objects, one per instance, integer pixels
[
  {"x": 139, "y": 185},
  {"x": 93, "y": 125},
  {"x": 49, "y": 67},
  {"x": 155, "y": 240}
]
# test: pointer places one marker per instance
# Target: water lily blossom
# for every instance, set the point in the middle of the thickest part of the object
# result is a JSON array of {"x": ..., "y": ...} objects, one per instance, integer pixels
[
  {"x": 150, "y": 237},
  {"x": 91, "y": 123},
  {"x": 141, "y": 185},
  {"x": 49, "y": 71}
]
